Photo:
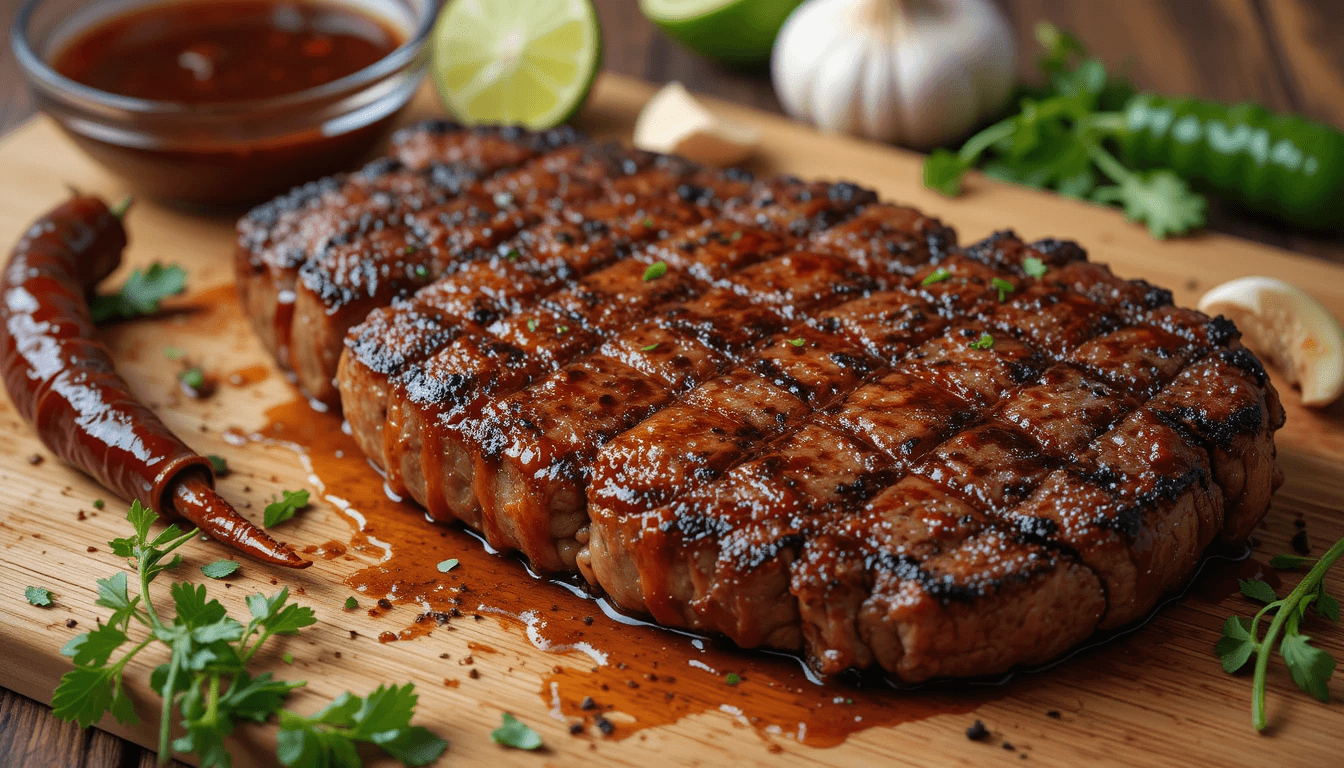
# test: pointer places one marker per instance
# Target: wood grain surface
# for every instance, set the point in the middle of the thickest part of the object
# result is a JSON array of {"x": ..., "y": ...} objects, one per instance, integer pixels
[{"x": 1283, "y": 53}]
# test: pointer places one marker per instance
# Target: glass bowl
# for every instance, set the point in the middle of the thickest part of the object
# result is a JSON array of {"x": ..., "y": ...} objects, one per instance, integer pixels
[{"x": 221, "y": 155}]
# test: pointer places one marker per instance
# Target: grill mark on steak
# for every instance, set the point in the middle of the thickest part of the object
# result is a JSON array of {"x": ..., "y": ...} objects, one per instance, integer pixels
[{"x": 883, "y": 493}]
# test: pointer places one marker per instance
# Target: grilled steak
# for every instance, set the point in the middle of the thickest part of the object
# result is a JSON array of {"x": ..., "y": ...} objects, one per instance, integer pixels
[{"x": 777, "y": 410}]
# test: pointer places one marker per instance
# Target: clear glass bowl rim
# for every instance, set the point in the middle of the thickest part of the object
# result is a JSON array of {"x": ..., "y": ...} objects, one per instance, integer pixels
[{"x": 40, "y": 73}]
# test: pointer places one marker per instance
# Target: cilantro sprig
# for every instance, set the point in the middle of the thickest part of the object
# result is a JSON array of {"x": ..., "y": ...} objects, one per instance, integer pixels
[
  {"x": 1058, "y": 139},
  {"x": 283, "y": 508},
  {"x": 206, "y": 678},
  {"x": 1311, "y": 667},
  {"x": 141, "y": 294}
]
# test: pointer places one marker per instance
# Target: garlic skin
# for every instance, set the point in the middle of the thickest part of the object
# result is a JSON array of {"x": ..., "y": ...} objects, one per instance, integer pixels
[{"x": 913, "y": 72}]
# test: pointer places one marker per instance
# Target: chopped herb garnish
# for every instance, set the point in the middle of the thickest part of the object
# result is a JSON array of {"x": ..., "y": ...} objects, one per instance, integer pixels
[
  {"x": 1310, "y": 667},
  {"x": 207, "y": 679},
  {"x": 141, "y": 294},
  {"x": 447, "y": 565},
  {"x": 219, "y": 465},
  {"x": 220, "y": 568},
  {"x": 192, "y": 378},
  {"x": 1034, "y": 267},
  {"x": 514, "y": 734},
  {"x": 1004, "y": 287},
  {"x": 656, "y": 270},
  {"x": 513, "y": 255},
  {"x": 936, "y": 276},
  {"x": 732, "y": 678},
  {"x": 984, "y": 342},
  {"x": 288, "y": 657},
  {"x": 98, "y": 503},
  {"x": 562, "y": 329},
  {"x": 39, "y": 596},
  {"x": 411, "y": 249},
  {"x": 283, "y": 509},
  {"x": 797, "y": 342},
  {"x": 174, "y": 353},
  {"x": 531, "y": 324},
  {"x": 648, "y": 223},
  {"x": 650, "y": 347},
  {"x": 736, "y": 236},
  {"x": 421, "y": 272}
]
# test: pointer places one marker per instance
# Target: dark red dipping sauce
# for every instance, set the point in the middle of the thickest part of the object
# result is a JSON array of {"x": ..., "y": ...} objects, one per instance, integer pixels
[
  {"x": 216, "y": 51},
  {"x": 212, "y": 56}
]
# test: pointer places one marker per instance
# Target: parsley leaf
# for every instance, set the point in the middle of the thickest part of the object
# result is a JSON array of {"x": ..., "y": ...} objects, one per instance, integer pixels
[
  {"x": 732, "y": 678},
  {"x": 141, "y": 294},
  {"x": 649, "y": 347},
  {"x": 984, "y": 342},
  {"x": 193, "y": 379},
  {"x": 1257, "y": 590},
  {"x": 656, "y": 270},
  {"x": 936, "y": 276},
  {"x": 95, "y": 647},
  {"x": 351, "y": 603},
  {"x": 513, "y": 733},
  {"x": 206, "y": 679},
  {"x": 943, "y": 170},
  {"x": 447, "y": 565},
  {"x": 219, "y": 465},
  {"x": 1003, "y": 287},
  {"x": 220, "y": 568},
  {"x": 39, "y": 596},
  {"x": 797, "y": 342},
  {"x": 1310, "y": 667},
  {"x": 1236, "y": 646},
  {"x": 283, "y": 509},
  {"x": 1034, "y": 267},
  {"x": 1161, "y": 199}
]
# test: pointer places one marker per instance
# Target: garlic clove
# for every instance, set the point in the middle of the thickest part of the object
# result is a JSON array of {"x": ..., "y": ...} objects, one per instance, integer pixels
[
  {"x": 674, "y": 122},
  {"x": 1281, "y": 322}
]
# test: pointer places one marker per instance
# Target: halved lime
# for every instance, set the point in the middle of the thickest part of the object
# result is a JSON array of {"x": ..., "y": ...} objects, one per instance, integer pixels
[
  {"x": 528, "y": 62},
  {"x": 733, "y": 31}
]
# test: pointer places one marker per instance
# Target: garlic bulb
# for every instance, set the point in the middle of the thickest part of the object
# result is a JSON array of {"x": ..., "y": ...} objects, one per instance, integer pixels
[{"x": 914, "y": 72}]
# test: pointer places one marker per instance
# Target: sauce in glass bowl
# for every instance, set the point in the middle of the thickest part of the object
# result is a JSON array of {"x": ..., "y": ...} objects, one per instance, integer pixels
[
  {"x": 225, "y": 50},
  {"x": 223, "y": 103}
]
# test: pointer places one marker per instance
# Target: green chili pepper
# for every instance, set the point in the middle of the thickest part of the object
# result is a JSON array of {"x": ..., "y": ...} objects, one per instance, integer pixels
[
  {"x": 1091, "y": 137},
  {"x": 1284, "y": 166}
]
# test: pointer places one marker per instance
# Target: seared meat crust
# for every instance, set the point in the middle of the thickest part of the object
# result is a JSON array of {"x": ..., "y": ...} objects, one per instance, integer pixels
[{"x": 777, "y": 410}]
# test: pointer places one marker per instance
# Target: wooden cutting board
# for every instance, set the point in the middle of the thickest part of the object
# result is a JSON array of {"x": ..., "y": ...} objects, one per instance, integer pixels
[{"x": 1155, "y": 695}]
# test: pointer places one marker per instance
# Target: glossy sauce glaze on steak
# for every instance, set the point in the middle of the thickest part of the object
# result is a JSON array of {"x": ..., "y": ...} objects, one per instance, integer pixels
[{"x": 777, "y": 410}]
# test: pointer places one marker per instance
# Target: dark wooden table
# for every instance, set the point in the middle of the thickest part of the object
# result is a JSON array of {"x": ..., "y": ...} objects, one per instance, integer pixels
[{"x": 1285, "y": 54}]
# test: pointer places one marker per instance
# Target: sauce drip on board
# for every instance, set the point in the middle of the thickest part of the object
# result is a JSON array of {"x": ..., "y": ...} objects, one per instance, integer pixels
[{"x": 224, "y": 51}]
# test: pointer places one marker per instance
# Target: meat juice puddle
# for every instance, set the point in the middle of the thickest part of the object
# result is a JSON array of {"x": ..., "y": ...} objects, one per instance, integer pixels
[{"x": 637, "y": 675}]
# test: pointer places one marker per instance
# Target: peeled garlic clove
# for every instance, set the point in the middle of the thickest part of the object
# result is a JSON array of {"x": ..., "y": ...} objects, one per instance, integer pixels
[
  {"x": 1281, "y": 322},
  {"x": 674, "y": 122}
]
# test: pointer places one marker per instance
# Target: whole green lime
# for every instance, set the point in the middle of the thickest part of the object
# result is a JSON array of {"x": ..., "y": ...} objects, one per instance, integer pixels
[{"x": 737, "y": 32}]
